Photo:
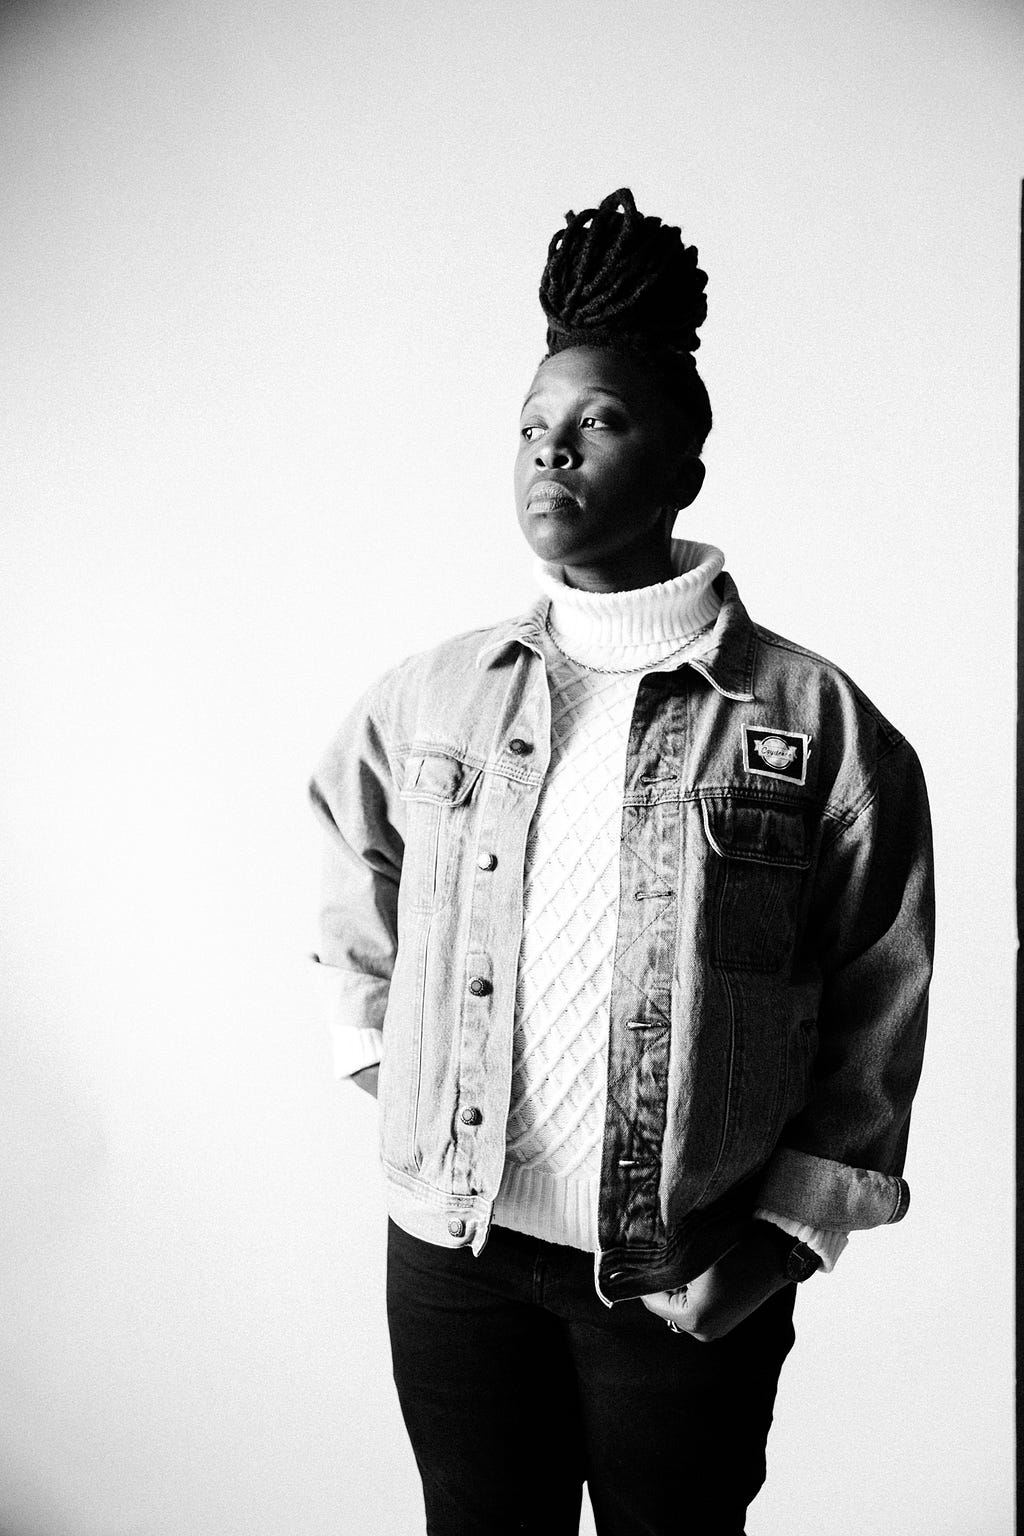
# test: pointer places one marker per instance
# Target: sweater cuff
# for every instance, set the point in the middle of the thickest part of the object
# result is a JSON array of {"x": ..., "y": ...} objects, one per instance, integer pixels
[
  {"x": 355, "y": 1049},
  {"x": 352, "y": 1007},
  {"x": 827, "y": 1242}
]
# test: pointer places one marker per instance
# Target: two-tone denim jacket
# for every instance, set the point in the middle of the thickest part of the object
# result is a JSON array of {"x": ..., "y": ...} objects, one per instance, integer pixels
[{"x": 772, "y": 957}]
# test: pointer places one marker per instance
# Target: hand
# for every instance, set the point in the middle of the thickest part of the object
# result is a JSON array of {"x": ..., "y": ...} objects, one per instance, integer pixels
[
  {"x": 735, "y": 1285},
  {"x": 366, "y": 1078}
]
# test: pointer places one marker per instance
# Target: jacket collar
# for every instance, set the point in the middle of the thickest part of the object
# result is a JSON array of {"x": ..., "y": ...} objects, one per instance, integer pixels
[{"x": 728, "y": 664}]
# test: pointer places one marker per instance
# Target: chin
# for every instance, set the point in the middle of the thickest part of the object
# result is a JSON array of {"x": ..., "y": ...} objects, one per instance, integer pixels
[
  {"x": 554, "y": 553},
  {"x": 555, "y": 545}
]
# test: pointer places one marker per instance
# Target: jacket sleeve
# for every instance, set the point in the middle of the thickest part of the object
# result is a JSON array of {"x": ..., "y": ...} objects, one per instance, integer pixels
[
  {"x": 840, "y": 1160},
  {"x": 356, "y": 801}
]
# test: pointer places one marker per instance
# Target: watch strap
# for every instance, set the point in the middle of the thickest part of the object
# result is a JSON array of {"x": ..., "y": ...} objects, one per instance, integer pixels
[{"x": 802, "y": 1262}]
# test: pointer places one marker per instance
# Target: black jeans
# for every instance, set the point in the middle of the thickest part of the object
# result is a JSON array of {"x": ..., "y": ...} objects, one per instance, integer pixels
[{"x": 517, "y": 1384}]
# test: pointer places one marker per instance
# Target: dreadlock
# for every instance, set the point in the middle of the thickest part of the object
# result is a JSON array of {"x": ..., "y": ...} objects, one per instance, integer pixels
[{"x": 619, "y": 279}]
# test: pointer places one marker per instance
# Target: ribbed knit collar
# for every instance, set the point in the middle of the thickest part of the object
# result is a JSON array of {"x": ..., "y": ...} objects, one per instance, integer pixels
[{"x": 624, "y": 629}]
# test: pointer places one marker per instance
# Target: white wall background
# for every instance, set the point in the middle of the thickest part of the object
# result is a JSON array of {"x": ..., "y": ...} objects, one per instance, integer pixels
[{"x": 268, "y": 274}]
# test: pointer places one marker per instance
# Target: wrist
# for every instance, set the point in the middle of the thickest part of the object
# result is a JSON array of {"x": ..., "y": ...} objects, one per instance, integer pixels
[{"x": 793, "y": 1259}]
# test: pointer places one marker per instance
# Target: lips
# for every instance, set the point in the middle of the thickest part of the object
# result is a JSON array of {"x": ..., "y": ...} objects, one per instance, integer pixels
[{"x": 549, "y": 494}]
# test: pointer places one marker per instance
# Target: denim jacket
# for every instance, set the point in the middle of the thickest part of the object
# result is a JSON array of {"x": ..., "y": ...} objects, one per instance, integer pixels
[{"x": 772, "y": 957}]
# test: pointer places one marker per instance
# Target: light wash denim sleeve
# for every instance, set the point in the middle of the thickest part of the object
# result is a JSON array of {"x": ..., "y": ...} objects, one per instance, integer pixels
[
  {"x": 356, "y": 801},
  {"x": 839, "y": 1162}
]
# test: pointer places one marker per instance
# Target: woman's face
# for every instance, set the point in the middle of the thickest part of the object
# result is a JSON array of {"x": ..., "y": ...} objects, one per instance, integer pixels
[{"x": 599, "y": 473}]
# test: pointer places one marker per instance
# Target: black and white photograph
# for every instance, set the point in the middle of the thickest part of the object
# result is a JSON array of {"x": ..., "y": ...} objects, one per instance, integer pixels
[{"x": 507, "y": 735}]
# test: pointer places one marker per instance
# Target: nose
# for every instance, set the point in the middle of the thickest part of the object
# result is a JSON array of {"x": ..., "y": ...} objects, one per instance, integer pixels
[{"x": 556, "y": 450}]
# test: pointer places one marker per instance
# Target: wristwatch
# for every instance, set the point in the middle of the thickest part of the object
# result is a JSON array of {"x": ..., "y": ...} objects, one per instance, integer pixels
[
  {"x": 798, "y": 1260},
  {"x": 801, "y": 1262}
]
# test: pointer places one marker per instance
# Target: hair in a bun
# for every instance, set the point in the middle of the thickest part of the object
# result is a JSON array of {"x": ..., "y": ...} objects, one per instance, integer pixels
[{"x": 620, "y": 279}]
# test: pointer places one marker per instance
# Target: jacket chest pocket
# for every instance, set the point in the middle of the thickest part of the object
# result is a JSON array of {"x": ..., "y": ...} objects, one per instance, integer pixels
[
  {"x": 759, "y": 855},
  {"x": 437, "y": 790}
]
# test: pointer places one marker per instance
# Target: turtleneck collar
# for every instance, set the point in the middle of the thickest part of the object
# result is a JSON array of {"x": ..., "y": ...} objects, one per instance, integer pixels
[{"x": 624, "y": 629}]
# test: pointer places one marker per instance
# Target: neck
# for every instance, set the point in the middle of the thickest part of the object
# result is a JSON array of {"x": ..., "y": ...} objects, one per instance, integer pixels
[{"x": 625, "y": 571}]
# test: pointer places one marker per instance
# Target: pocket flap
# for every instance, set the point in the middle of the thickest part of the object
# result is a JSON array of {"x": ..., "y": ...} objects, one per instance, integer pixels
[
  {"x": 438, "y": 777},
  {"x": 759, "y": 833}
]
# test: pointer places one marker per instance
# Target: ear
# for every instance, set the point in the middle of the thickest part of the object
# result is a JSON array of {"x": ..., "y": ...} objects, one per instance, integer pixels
[{"x": 689, "y": 477}]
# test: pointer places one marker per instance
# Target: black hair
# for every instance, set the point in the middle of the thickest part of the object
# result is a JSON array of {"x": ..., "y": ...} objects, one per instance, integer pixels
[{"x": 616, "y": 278}]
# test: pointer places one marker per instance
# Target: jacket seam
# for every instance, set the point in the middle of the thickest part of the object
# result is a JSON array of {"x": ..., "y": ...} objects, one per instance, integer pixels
[
  {"x": 470, "y": 759},
  {"x": 853, "y": 814},
  {"x": 375, "y": 709},
  {"x": 847, "y": 821},
  {"x": 892, "y": 736},
  {"x": 442, "y": 748}
]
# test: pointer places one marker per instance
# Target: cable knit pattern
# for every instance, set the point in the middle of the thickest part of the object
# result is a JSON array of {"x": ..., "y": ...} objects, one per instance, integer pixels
[{"x": 571, "y": 892}]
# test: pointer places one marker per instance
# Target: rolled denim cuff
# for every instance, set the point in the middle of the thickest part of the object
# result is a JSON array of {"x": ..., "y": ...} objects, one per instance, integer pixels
[{"x": 823, "y": 1193}]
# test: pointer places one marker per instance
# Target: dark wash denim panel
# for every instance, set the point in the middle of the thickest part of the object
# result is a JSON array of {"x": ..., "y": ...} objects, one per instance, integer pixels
[{"x": 772, "y": 957}]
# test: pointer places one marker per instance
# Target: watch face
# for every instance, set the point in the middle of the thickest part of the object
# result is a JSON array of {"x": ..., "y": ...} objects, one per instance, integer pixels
[{"x": 803, "y": 1262}]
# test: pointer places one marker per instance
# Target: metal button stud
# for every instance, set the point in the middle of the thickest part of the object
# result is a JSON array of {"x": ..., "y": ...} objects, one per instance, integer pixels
[
  {"x": 487, "y": 861},
  {"x": 519, "y": 746},
  {"x": 457, "y": 1228},
  {"x": 480, "y": 986},
  {"x": 471, "y": 1116}
]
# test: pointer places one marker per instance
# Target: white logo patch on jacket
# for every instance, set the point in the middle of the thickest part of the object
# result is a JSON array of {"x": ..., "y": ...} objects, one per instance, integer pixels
[{"x": 776, "y": 754}]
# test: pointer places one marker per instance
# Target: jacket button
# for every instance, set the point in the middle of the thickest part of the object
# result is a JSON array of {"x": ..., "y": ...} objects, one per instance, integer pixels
[
  {"x": 457, "y": 1228},
  {"x": 471, "y": 1116},
  {"x": 519, "y": 746},
  {"x": 480, "y": 986},
  {"x": 487, "y": 861}
]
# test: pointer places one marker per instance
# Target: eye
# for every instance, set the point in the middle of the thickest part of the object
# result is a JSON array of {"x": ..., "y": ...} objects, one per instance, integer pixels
[
  {"x": 528, "y": 431},
  {"x": 593, "y": 423}
]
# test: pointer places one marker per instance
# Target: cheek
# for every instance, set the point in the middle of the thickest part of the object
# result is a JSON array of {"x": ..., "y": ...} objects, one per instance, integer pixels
[
  {"x": 653, "y": 472},
  {"x": 635, "y": 476},
  {"x": 521, "y": 466}
]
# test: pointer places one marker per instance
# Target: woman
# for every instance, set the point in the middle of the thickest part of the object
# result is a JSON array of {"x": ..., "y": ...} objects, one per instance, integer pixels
[{"x": 632, "y": 901}]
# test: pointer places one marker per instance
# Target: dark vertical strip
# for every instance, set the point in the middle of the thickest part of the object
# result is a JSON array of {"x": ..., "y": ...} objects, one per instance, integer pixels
[{"x": 1020, "y": 872}]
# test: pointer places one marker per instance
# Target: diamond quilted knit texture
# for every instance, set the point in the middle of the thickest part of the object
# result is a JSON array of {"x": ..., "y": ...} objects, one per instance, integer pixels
[{"x": 556, "y": 1120}]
